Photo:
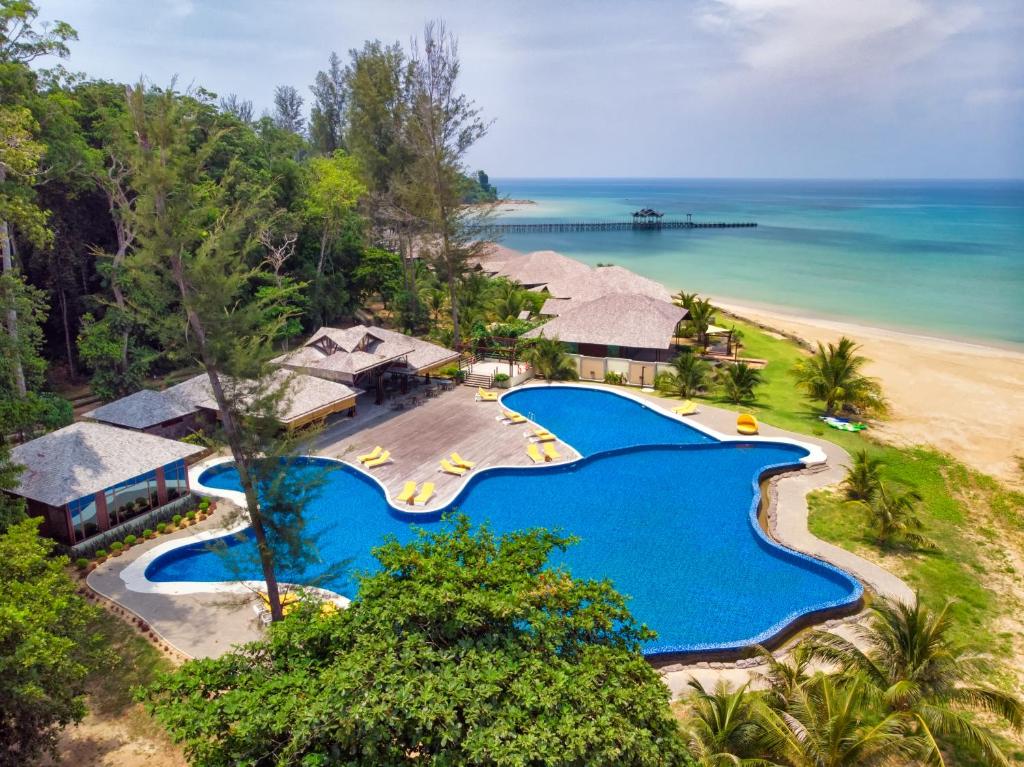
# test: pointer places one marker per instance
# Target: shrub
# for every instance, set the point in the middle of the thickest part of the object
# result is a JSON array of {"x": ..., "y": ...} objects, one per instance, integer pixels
[
  {"x": 191, "y": 516},
  {"x": 161, "y": 527},
  {"x": 501, "y": 377},
  {"x": 129, "y": 540},
  {"x": 612, "y": 377},
  {"x": 116, "y": 548},
  {"x": 176, "y": 519},
  {"x": 81, "y": 563},
  {"x": 204, "y": 504},
  {"x": 147, "y": 533},
  {"x": 100, "y": 554}
]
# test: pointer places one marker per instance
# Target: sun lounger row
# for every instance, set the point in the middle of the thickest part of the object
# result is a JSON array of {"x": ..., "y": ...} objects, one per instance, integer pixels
[
  {"x": 537, "y": 456},
  {"x": 411, "y": 497},
  {"x": 376, "y": 457}
]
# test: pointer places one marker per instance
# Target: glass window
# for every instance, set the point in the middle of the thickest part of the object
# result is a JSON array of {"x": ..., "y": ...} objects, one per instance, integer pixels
[
  {"x": 176, "y": 479},
  {"x": 83, "y": 517},
  {"x": 131, "y": 498}
]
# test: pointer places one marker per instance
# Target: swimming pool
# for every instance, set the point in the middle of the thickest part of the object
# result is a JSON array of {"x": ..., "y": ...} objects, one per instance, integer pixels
[{"x": 671, "y": 522}]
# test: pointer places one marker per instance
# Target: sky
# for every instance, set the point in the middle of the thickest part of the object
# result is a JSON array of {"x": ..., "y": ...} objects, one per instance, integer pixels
[{"x": 596, "y": 88}]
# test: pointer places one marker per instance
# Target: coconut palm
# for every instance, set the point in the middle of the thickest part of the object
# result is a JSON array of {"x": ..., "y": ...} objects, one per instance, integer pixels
[
  {"x": 506, "y": 302},
  {"x": 723, "y": 728},
  {"x": 783, "y": 678},
  {"x": 918, "y": 672},
  {"x": 736, "y": 336},
  {"x": 548, "y": 359},
  {"x": 684, "y": 299},
  {"x": 689, "y": 375},
  {"x": 434, "y": 298},
  {"x": 864, "y": 477},
  {"x": 893, "y": 515},
  {"x": 833, "y": 375},
  {"x": 701, "y": 315},
  {"x": 832, "y": 723},
  {"x": 739, "y": 381}
]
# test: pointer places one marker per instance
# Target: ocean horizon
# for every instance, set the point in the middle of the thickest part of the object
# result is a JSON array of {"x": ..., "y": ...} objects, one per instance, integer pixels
[{"x": 934, "y": 257}]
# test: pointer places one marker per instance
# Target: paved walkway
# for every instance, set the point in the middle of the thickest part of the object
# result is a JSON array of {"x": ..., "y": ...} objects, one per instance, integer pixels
[{"x": 203, "y": 625}]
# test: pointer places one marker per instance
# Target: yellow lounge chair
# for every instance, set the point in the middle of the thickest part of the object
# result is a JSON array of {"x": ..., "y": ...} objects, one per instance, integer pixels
[
  {"x": 407, "y": 493},
  {"x": 379, "y": 460},
  {"x": 687, "y": 408},
  {"x": 746, "y": 424},
  {"x": 534, "y": 453},
  {"x": 485, "y": 396},
  {"x": 447, "y": 468},
  {"x": 458, "y": 460},
  {"x": 289, "y": 601},
  {"x": 511, "y": 417},
  {"x": 375, "y": 453},
  {"x": 550, "y": 453},
  {"x": 426, "y": 493},
  {"x": 544, "y": 436}
]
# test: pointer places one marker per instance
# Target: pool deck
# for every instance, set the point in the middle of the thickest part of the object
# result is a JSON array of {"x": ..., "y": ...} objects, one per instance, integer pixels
[{"x": 208, "y": 624}]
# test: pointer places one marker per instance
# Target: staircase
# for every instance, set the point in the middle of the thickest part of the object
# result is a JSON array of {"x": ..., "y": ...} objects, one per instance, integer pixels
[{"x": 478, "y": 379}]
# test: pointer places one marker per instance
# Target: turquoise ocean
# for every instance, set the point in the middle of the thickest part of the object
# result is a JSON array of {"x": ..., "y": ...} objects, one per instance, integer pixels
[{"x": 941, "y": 258}]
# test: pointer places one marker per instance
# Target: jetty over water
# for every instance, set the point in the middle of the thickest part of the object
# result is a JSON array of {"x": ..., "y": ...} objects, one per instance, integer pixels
[{"x": 646, "y": 219}]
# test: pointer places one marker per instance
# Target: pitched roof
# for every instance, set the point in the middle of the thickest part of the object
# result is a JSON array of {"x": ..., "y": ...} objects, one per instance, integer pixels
[
  {"x": 620, "y": 319},
  {"x": 141, "y": 410},
  {"x": 359, "y": 348},
  {"x": 85, "y": 458},
  {"x": 603, "y": 281},
  {"x": 545, "y": 268},
  {"x": 304, "y": 393}
]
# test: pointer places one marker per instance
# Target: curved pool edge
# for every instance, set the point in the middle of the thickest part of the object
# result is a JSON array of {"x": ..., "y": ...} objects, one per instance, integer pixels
[{"x": 135, "y": 579}]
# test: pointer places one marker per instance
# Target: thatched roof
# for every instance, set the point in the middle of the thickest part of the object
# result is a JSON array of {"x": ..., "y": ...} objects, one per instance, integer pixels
[
  {"x": 619, "y": 319},
  {"x": 603, "y": 281},
  {"x": 354, "y": 350},
  {"x": 85, "y": 458},
  {"x": 546, "y": 269}
]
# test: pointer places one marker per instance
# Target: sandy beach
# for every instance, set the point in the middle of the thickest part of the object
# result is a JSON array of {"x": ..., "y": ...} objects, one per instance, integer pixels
[{"x": 965, "y": 399}]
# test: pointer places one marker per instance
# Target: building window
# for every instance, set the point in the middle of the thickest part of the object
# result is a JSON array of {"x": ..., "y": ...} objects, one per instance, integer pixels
[
  {"x": 83, "y": 517},
  {"x": 613, "y": 351},
  {"x": 176, "y": 480},
  {"x": 131, "y": 498}
]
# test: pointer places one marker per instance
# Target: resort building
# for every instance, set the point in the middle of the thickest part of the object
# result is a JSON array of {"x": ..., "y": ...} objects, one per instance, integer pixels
[
  {"x": 361, "y": 354},
  {"x": 87, "y": 478},
  {"x": 190, "y": 405},
  {"x": 624, "y": 333}
]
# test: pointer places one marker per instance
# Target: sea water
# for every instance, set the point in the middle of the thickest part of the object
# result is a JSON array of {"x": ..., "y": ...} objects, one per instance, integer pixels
[{"x": 943, "y": 258}]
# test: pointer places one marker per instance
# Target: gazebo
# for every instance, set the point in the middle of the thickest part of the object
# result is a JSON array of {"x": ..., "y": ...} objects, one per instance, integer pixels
[{"x": 647, "y": 218}]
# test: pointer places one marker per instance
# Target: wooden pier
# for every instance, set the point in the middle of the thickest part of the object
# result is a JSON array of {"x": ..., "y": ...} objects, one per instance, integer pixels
[{"x": 611, "y": 226}]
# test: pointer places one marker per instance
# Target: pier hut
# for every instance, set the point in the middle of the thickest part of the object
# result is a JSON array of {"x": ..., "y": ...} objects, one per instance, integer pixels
[{"x": 647, "y": 218}]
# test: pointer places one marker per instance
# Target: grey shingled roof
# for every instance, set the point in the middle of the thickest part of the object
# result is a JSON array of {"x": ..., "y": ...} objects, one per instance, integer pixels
[
  {"x": 619, "y": 319},
  {"x": 85, "y": 458},
  {"x": 380, "y": 346},
  {"x": 142, "y": 410}
]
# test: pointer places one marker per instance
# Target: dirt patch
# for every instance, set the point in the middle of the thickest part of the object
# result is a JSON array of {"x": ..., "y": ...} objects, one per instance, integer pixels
[{"x": 127, "y": 739}]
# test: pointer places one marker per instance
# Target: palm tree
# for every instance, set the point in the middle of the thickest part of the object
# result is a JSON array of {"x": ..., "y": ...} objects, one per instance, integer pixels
[
  {"x": 701, "y": 315},
  {"x": 507, "y": 301},
  {"x": 783, "y": 678},
  {"x": 831, "y": 723},
  {"x": 864, "y": 477},
  {"x": 833, "y": 376},
  {"x": 737, "y": 341},
  {"x": 434, "y": 298},
  {"x": 723, "y": 728},
  {"x": 689, "y": 375},
  {"x": 548, "y": 359},
  {"x": 894, "y": 516},
  {"x": 917, "y": 671},
  {"x": 739, "y": 381},
  {"x": 684, "y": 299}
]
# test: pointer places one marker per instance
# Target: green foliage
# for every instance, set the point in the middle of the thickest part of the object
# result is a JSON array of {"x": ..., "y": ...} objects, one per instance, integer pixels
[
  {"x": 47, "y": 646},
  {"x": 100, "y": 349},
  {"x": 739, "y": 382},
  {"x": 204, "y": 504},
  {"x": 549, "y": 360},
  {"x": 689, "y": 376},
  {"x": 100, "y": 554},
  {"x": 864, "y": 477},
  {"x": 176, "y": 519},
  {"x": 465, "y": 648},
  {"x": 191, "y": 515},
  {"x": 501, "y": 377},
  {"x": 130, "y": 540},
  {"x": 379, "y": 273},
  {"x": 894, "y": 516},
  {"x": 117, "y": 547},
  {"x": 82, "y": 562},
  {"x": 161, "y": 527},
  {"x": 833, "y": 376},
  {"x": 478, "y": 189},
  {"x": 147, "y": 533},
  {"x": 700, "y": 318},
  {"x": 614, "y": 378}
]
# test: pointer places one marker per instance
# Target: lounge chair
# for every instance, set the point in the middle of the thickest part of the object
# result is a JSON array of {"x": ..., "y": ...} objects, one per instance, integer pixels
[
  {"x": 407, "y": 493},
  {"x": 510, "y": 417},
  {"x": 687, "y": 408},
  {"x": 425, "y": 494},
  {"x": 447, "y": 468},
  {"x": 746, "y": 424},
  {"x": 550, "y": 453},
  {"x": 543, "y": 436},
  {"x": 534, "y": 453},
  {"x": 380, "y": 460},
  {"x": 485, "y": 396},
  {"x": 458, "y": 460},
  {"x": 375, "y": 453}
]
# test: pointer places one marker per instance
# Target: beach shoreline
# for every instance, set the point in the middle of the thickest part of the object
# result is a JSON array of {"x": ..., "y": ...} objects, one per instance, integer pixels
[{"x": 963, "y": 398}]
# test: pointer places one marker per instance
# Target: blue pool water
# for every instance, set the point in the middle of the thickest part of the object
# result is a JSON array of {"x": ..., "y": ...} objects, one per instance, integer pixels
[{"x": 670, "y": 523}]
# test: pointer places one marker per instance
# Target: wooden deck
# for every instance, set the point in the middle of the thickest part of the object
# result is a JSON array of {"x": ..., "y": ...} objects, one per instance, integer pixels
[{"x": 421, "y": 436}]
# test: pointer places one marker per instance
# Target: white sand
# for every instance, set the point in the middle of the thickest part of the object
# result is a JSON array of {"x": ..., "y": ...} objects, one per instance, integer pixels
[{"x": 965, "y": 399}]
